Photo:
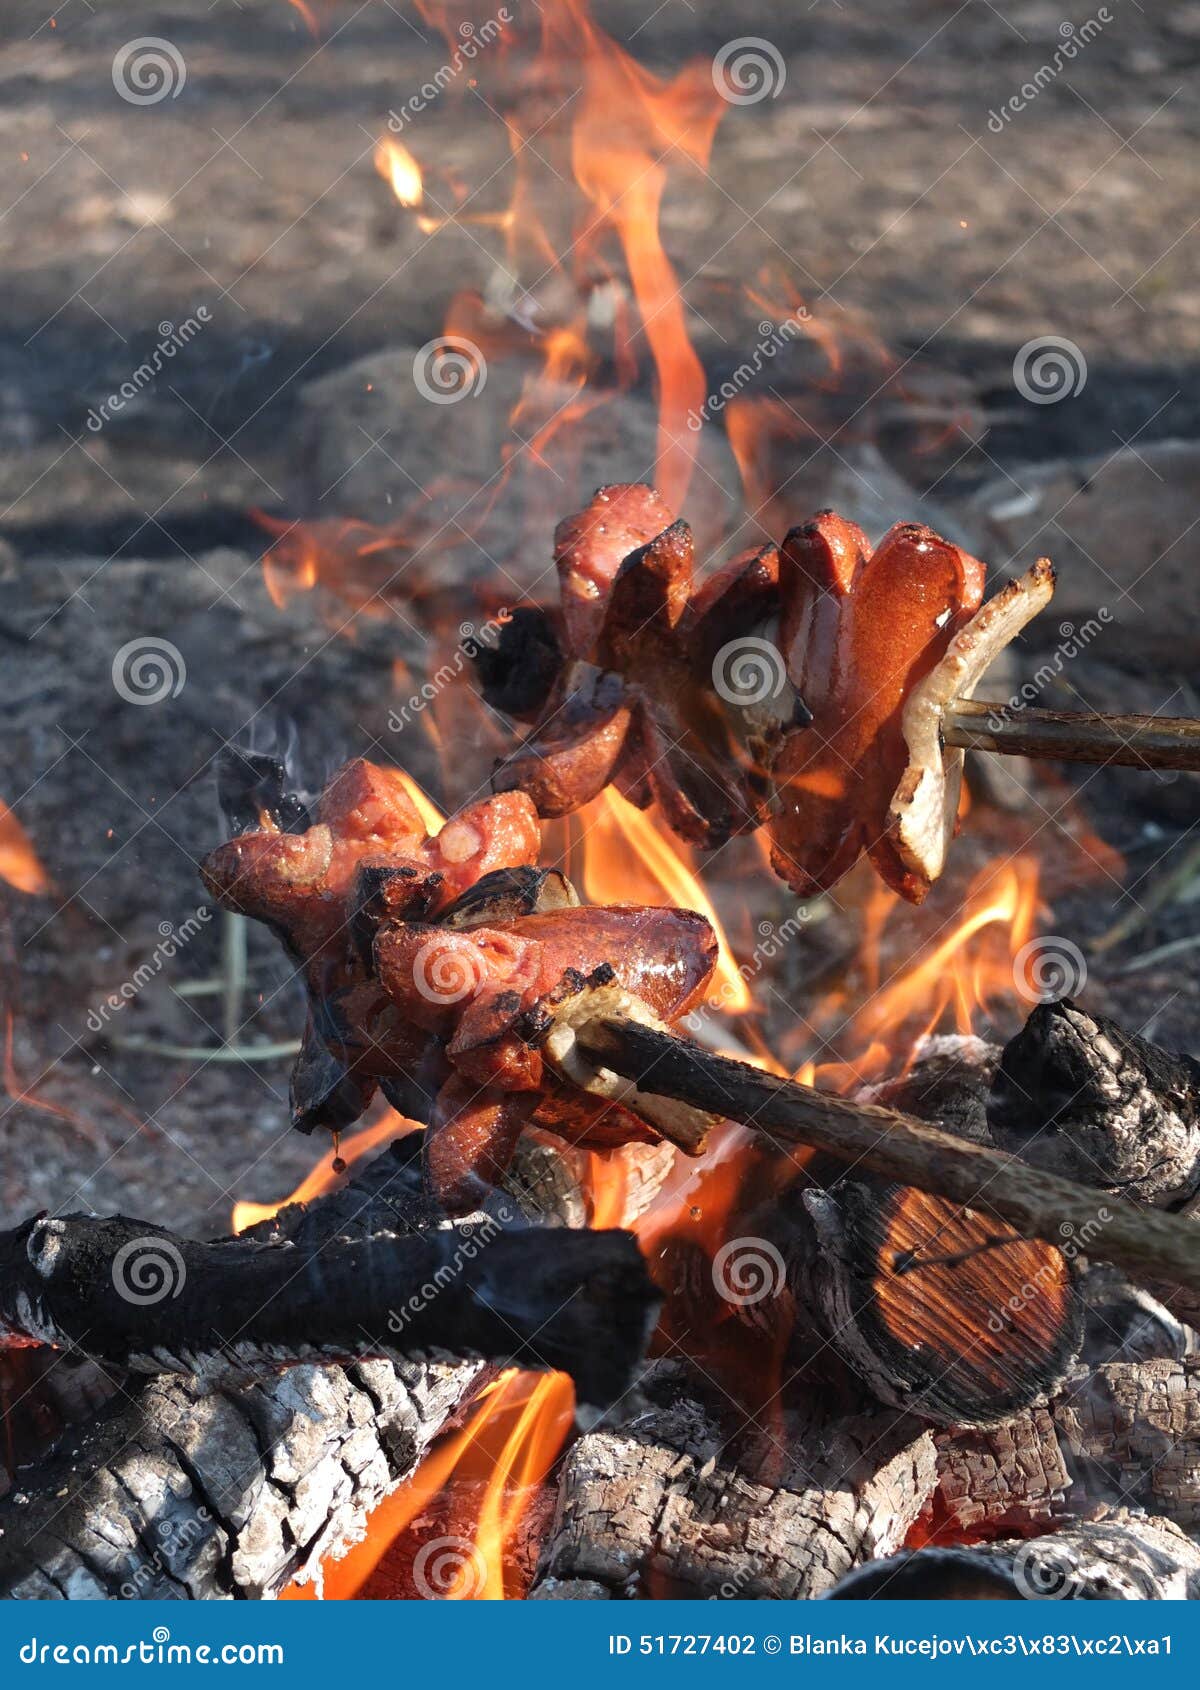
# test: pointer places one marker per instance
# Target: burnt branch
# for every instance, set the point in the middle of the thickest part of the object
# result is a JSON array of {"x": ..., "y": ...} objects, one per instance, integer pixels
[
  {"x": 140, "y": 1298},
  {"x": 895, "y": 1146},
  {"x": 1079, "y": 1096}
]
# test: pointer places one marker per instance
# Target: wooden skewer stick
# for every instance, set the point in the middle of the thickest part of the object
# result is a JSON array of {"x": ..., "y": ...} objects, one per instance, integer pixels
[
  {"x": 1137, "y": 742},
  {"x": 895, "y": 1146}
]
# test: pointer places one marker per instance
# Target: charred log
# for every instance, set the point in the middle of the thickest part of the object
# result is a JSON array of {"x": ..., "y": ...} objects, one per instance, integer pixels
[
  {"x": 1079, "y": 1096},
  {"x": 1127, "y": 1431},
  {"x": 933, "y": 1307},
  {"x": 188, "y": 1489},
  {"x": 670, "y": 1506},
  {"x": 1125, "y": 1557},
  {"x": 136, "y": 1297}
]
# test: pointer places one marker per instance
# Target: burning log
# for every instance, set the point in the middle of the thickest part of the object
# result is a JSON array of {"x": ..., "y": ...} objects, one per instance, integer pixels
[
  {"x": 666, "y": 1507},
  {"x": 1079, "y": 1096},
  {"x": 822, "y": 689},
  {"x": 223, "y": 1486},
  {"x": 931, "y": 1306},
  {"x": 1124, "y": 1557},
  {"x": 892, "y": 1145}
]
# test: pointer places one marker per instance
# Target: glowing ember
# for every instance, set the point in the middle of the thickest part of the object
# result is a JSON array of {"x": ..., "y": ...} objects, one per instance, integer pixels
[
  {"x": 19, "y": 863},
  {"x": 397, "y": 165}
]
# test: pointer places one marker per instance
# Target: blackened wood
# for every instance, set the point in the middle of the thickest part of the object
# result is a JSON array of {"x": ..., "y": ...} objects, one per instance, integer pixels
[
  {"x": 140, "y": 1298},
  {"x": 933, "y": 1307},
  {"x": 1079, "y": 1096},
  {"x": 182, "y": 1489},
  {"x": 1036, "y": 1203}
]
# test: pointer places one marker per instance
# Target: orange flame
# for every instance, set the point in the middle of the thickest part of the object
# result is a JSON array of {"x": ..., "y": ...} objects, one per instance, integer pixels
[
  {"x": 431, "y": 816},
  {"x": 508, "y": 1447},
  {"x": 19, "y": 863},
  {"x": 323, "y": 1177},
  {"x": 628, "y": 858}
]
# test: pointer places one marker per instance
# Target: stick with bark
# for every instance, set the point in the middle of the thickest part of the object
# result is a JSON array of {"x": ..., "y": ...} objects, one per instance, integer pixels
[
  {"x": 1074, "y": 736},
  {"x": 883, "y": 1141}
]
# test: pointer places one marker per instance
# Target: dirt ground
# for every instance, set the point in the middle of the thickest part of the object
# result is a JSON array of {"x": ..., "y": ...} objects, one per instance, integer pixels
[{"x": 889, "y": 172}]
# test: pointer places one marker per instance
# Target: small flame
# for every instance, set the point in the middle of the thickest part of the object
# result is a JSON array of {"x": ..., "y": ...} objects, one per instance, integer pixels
[
  {"x": 291, "y": 565},
  {"x": 629, "y": 858},
  {"x": 322, "y": 1177},
  {"x": 19, "y": 863},
  {"x": 433, "y": 818},
  {"x": 508, "y": 1446},
  {"x": 960, "y": 974},
  {"x": 397, "y": 165}
]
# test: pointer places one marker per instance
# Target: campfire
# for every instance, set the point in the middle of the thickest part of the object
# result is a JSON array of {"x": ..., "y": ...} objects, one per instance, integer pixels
[{"x": 724, "y": 1185}]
